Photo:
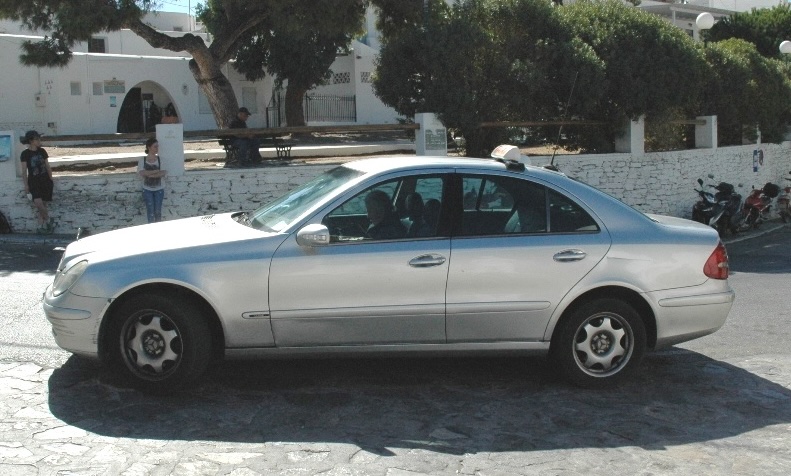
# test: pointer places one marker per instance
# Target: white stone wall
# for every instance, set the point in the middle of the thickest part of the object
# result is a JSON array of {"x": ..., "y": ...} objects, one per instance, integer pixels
[
  {"x": 664, "y": 182},
  {"x": 656, "y": 182},
  {"x": 106, "y": 202}
]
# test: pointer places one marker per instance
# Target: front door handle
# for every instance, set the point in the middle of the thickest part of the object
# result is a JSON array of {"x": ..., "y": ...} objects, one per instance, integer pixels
[
  {"x": 427, "y": 261},
  {"x": 569, "y": 255}
]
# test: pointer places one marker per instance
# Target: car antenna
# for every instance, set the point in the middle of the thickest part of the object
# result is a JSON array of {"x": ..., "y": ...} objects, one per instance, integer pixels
[{"x": 551, "y": 165}]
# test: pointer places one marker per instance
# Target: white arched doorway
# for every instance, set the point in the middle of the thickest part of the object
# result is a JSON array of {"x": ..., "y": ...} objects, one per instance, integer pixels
[{"x": 144, "y": 107}]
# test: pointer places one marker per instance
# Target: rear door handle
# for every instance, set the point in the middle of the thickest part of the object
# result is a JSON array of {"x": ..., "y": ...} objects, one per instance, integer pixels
[
  {"x": 569, "y": 255},
  {"x": 427, "y": 261}
]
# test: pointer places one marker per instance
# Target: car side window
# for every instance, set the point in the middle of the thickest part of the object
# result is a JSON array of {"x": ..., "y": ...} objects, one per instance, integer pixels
[
  {"x": 496, "y": 205},
  {"x": 566, "y": 216},
  {"x": 421, "y": 205},
  {"x": 408, "y": 207}
]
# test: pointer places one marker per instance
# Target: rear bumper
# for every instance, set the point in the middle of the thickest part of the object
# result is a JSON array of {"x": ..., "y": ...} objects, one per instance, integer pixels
[{"x": 685, "y": 317}]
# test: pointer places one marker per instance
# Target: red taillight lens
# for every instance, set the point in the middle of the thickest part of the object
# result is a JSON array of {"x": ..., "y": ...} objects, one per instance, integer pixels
[{"x": 716, "y": 266}]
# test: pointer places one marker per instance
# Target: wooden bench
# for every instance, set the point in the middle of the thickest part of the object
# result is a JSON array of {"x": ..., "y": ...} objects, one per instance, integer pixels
[{"x": 282, "y": 149}]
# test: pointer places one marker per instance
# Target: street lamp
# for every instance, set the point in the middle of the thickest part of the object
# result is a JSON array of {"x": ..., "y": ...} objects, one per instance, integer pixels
[
  {"x": 785, "y": 47},
  {"x": 704, "y": 21}
]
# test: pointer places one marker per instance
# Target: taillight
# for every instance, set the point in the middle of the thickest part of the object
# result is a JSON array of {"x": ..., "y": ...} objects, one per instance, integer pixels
[{"x": 716, "y": 266}]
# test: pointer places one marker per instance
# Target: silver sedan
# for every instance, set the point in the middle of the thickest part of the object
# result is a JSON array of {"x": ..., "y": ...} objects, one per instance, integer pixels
[{"x": 393, "y": 255}]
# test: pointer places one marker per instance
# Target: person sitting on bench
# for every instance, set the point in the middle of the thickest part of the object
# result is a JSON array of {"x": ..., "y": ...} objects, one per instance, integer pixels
[{"x": 247, "y": 146}]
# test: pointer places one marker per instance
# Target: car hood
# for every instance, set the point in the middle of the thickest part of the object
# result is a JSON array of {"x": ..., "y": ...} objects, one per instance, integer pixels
[{"x": 157, "y": 237}]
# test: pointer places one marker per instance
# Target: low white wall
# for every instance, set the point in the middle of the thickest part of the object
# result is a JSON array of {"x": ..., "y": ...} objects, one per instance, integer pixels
[{"x": 655, "y": 182}]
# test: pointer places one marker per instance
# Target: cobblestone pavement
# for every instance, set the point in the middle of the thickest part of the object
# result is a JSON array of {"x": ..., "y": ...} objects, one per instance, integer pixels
[{"x": 685, "y": 414}]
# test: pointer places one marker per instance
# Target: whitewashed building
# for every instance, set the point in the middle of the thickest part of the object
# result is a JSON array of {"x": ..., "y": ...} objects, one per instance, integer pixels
[{"x": 119, "y": 83}]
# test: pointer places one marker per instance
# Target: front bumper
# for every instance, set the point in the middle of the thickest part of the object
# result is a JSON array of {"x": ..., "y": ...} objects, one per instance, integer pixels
[{"x": 75, "y": 321}]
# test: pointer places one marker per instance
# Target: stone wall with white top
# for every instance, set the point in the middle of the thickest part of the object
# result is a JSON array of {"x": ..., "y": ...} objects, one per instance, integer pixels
[{"x": 654, "y": 182}]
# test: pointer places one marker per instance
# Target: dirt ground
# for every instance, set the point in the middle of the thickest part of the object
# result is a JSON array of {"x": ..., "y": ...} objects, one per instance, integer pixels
[{"x": 218, "y": 160}]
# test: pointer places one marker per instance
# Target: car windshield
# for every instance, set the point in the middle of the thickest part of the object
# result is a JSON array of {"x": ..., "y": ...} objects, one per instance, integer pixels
[{"x": 281, "y": 213}]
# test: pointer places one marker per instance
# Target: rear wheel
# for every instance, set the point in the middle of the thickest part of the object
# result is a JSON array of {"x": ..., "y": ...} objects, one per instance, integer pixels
[
  {"x": 159, "y": 344},
  {"x": 600, "y": 343},
  {"x": 749, "y": 220}
]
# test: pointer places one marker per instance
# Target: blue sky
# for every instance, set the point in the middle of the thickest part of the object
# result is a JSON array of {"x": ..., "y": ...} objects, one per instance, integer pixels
[{"x": 180, "y": 6}]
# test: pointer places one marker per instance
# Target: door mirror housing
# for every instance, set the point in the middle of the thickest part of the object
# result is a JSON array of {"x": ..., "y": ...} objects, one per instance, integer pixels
[{"x": 313, "y": 235}]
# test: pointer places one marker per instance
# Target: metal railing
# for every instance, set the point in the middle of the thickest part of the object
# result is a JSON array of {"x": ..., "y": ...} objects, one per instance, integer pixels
[
  {"x": 329, "y": 108},
  {"x": 315, "y": 107}
]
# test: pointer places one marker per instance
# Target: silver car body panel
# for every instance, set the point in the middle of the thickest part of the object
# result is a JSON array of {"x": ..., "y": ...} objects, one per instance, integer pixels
[
  {"x": 361, "y": 293},
  {"x": 226, "y": 263},
  {"x": 507, "y": 293}
]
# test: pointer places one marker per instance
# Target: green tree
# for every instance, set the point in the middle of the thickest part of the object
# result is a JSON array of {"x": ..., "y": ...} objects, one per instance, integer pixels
[
  {"x": 297, "y": 45},
  {"x": 746, "y": 90},
  {"x": 765, "y": 28},
  {"x": 482, "y": 61},
  {"x": 67, "y": 22},
  {"x": 652, "y": 68}
]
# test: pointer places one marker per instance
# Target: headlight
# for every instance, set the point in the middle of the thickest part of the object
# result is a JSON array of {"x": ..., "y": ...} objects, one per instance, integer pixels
[{"x": 66, "y": 278}]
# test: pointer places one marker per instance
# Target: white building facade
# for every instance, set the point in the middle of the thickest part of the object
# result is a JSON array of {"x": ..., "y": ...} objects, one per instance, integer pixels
[{"x": 119, "y": 83}]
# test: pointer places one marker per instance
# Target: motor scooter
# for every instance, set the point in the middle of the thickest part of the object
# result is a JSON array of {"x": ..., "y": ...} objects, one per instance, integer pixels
[
  {"x": 720, "y": 210},
  {"x": 758, "y": 206},
  {"x": 784, "y": 203}
]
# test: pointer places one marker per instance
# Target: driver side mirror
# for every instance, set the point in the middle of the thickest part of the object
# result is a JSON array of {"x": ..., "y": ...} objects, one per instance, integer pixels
[{"x": 313, "y": 235}]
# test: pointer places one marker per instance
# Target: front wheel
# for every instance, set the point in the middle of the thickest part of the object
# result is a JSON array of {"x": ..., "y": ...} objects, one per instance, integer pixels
[
  {"x": 600, "y": 343},
  {"x": 158, "y": 344}
]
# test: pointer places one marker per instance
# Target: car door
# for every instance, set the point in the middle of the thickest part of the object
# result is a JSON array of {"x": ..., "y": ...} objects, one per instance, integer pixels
[
  {"x": 360, "y": 290},
  {"x": 518, "y": 249}
]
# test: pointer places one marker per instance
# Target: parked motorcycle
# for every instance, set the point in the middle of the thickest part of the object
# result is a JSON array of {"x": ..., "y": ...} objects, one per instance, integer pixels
[
  {"x": 784, "y": 203},
  {"x": 720, "y": 209},
  {"x": 758, "y": 205}
]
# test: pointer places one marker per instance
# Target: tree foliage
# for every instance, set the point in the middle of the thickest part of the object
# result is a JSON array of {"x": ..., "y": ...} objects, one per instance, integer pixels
[
  {"x": 747, "y": 90},
  {"x": 484, "y": 61},
  {"x": 652, "y": 68},
  {"x": 765, "y": 28},
  {"x": 297, "y": 45}
]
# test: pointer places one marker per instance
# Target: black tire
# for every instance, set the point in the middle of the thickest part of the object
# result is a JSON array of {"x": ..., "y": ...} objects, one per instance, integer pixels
[
  {"x": 722, "y": 228},
  {"x": 599, "y": 344},
  {"x": 698, "y": 216},
  {"x": 735, "y": 223},
  {"x": 158, "y": 344}
]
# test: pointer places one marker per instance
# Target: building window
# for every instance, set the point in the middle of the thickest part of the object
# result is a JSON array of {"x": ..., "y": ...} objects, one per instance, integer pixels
[
  {"x": 203, "y": 103},
  {"x": 98, "y": 88},
  {"x": 250, "y": 99},
  {"x": 365, "y": 77},
  {"x": 341, "y": 78},
  {"x": 178, "y": 28},
  {"x": 76, "y": 88},
  {"x": 97, "y": 45}
]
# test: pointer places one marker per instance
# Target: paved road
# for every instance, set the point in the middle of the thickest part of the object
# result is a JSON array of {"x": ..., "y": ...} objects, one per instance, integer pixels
[{"x": 718, "y": 405}]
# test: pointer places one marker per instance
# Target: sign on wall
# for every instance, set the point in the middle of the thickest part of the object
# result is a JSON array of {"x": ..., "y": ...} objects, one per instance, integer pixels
[
  {"x": 758, "y": 159},
  {"x": 6, "y": 149},
  {"x": 114, "y": 86}
]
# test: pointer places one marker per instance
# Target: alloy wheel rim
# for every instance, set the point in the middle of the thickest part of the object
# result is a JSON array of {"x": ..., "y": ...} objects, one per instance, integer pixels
[
  {"x": 151, "y": 345},
  {"x": 603, "y": 344}
]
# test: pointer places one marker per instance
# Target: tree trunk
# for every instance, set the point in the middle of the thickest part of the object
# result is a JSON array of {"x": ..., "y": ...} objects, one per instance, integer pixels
[
  {"x": 294, "y": 114},
  {"x": 205, "y": 65},
  {"x": 218, "y": 91}
]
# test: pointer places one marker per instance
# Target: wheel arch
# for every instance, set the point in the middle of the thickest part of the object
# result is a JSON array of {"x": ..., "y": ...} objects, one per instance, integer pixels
[
  {"x": 170, "y": 291},
  {"x": 629, "y": 296}
]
